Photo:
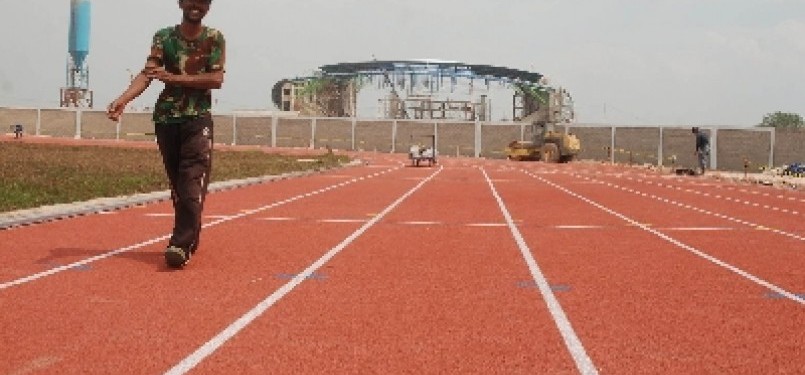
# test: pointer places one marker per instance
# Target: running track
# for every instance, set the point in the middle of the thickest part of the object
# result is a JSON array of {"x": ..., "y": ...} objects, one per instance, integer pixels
[{"x": 470, "y": 266}]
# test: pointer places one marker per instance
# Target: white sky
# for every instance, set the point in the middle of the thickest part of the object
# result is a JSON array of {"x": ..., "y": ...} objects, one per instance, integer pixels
[{"x": 631, "y": 62}]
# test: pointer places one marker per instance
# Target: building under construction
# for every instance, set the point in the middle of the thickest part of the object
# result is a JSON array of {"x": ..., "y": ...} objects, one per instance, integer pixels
[{"x": 418, "y": 89}]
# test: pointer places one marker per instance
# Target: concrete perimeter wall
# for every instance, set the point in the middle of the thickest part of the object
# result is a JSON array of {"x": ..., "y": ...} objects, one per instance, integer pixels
[{"x": 732, "y": 147}]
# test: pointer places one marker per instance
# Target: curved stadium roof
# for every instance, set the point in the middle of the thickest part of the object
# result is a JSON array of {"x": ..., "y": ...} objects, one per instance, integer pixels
[
  {"x": 445, "y": 68},
  {"x": 441, "y": 68}
]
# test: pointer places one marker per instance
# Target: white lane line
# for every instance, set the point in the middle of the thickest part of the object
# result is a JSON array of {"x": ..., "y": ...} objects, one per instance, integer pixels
[
  {"x": 740, "y": 200},
  {"x": 80, "y": 263},
  {"x": 152, "y": 241},
  {"x": 698, "y": 228},
  {"x": 578, "y": 227},
  {"x": 217, "y": 216},
  {"x": 725, "y": 217},
  {"x": 488, "y": 225},
  {"x": 342, "y": 221},
  {"x": 229, "y": 332},
  {"x": 421, "y": 222},
  {"x": 157, "y": 214},
  {"x": 583, "y": 362},
  {"x": 678, "y": 243},
  {"x": 277, "y": 218}
]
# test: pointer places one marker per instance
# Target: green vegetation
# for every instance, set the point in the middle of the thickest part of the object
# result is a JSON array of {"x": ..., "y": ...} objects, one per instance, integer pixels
[
  {"x": 538, "y": 93},
  {"x": 321, "y": 85},
  {"x": 33, "y": 175},
  {"x": 782, "y": 120}
]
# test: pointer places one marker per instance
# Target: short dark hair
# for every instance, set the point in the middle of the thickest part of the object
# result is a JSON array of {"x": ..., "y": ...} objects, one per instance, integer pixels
[{"x": 694, "y": 129}]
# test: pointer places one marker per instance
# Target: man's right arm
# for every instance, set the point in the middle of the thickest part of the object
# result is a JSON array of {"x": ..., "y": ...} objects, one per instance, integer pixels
[{"x": 139, "y": 84}]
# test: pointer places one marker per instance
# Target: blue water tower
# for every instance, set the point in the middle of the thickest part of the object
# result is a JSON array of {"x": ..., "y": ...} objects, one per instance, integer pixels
[{"x": 76, "y": 92}]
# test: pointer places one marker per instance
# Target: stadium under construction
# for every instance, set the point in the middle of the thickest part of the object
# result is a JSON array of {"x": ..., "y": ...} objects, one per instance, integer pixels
[{"x": 421, "y": 89}]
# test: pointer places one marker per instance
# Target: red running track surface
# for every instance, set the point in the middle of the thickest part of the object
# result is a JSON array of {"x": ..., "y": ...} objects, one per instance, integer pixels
[{"x": 470, "y": 266}]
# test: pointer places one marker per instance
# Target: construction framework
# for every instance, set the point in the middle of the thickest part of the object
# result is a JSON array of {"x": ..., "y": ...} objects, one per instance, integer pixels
[{"x": 415, "y": 89}]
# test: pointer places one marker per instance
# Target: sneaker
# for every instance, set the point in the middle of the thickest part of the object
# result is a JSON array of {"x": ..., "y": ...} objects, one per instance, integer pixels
[{"x": 176, "y": 257}]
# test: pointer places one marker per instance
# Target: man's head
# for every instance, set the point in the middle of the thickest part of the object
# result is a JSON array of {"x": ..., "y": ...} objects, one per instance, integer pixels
[
  {"x": 694, "y": 130},
  {"x": 193, "y": 11}
]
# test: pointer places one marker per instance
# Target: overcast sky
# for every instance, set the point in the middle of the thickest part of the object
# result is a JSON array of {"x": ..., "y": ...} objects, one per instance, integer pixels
[{"x": 632, "y": 62}]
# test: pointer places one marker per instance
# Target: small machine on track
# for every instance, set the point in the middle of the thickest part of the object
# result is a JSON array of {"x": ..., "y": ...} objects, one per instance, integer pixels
[{"x": 420, "y": 153}]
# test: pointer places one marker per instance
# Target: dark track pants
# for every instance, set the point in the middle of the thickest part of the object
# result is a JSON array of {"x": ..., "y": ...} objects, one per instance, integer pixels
[{"x": 186, "y": 150}]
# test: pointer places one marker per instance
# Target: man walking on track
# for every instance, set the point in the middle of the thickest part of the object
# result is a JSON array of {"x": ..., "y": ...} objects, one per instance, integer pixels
[
  {"x": 702, "y": 149},
  {"x": 189, "y": 59}
]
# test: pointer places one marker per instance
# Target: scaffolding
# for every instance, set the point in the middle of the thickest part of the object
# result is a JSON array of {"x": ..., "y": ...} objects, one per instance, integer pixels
[{"x": 415, "y": 89}]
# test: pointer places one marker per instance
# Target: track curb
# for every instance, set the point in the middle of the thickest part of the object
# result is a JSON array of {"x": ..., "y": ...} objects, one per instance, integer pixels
[{"x": 49, "y": 213}]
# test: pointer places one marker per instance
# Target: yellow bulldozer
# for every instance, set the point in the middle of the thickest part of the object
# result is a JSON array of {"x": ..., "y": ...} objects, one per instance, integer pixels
[{"x": 547, "y": 144}]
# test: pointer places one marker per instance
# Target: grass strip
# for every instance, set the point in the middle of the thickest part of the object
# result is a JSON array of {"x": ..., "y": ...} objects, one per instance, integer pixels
[{"x": 34, "y": 175}]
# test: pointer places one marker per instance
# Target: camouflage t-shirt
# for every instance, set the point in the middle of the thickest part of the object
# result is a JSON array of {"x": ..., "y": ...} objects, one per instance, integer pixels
[{"x": 178, "y": 55}]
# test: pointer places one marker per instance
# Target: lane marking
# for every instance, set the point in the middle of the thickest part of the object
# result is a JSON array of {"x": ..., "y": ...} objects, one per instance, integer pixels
[
  {"x": 166, "y": 214},
  {"x": 560, "y": 288},
  {"x": 36, "y": 365},
  {"x": 421, "y": 222},
  {"x": 152, "y": 241},
  {"x": 50, "y": 265},
  {"x": 81, "y": 263},
  {"x": 487, "y": 225},
  {"x": 700, "y": 210},
  {"x": 698, "y": 228},
  {"x": 780, "y": 296},
  {"x": 583, "y": 362},
  {"x": 216, "y": 216},
  {"x": 229, "y": 332},
  {"x": 342, "y": 221},
  {"x": 680, "y": 244},
  {"x": 579, "y": 227},
  {"x": 312, "y": 276},
  {"x": 277, "y": 218},
  {"x": 735, "y": 200}
]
